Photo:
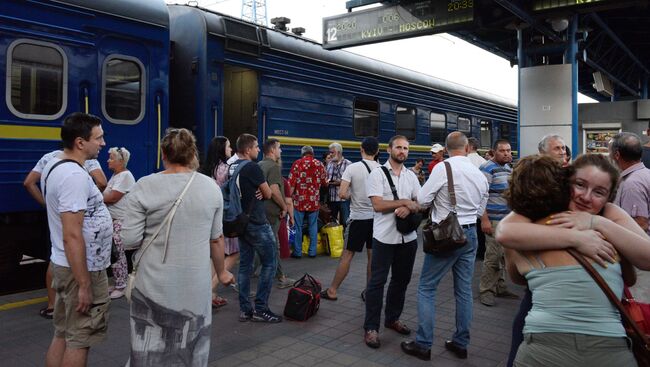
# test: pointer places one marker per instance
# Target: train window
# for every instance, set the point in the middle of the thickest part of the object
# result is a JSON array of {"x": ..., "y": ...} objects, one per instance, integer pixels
[
  {"x": 405, "y": 122},
  {"x": 37, "y": 85},
  {"x": 464, "y": 125},
  {"x": 486, "y": 134},
  {"x": 504, "y": 132},
  {"x": 123, "y": 90},
  {"x": 437, "y": 127},
  {"x": 366, "y": 118}
]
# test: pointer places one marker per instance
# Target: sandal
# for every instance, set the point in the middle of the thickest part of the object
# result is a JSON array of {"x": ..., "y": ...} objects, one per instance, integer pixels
[
  {"x": 324, "y": 295},
  {"x": 218, "y": 302},
  {"x": 47, "y": 313}
]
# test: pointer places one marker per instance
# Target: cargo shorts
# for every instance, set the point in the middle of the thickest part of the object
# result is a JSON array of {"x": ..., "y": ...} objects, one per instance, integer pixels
[{"x": 80, "y": 330}]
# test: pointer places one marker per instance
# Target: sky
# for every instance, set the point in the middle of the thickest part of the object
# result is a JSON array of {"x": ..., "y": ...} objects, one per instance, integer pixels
[{"x": 442, "y": 55}]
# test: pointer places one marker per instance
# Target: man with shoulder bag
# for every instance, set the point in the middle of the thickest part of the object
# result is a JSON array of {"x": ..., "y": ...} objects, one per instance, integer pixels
[
  {"x": 392, "y": 191},
  {"x": 458, "y": 193}
]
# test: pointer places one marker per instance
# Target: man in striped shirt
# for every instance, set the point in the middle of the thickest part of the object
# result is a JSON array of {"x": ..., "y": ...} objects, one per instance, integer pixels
[{"x": 497, "y": 171}]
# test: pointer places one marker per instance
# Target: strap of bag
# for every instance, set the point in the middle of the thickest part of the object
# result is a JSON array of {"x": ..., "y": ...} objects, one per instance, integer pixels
[
  {"x": 235, "y": 175},
  {"x": 366, "y": 164},
  {"x": 168, "y": 218},
  {"x": 450, "y": 186},
  {"x": 610, "y": 295},
  {"x": 390, "y": 182},
  {"x": 56, "y": 165}
]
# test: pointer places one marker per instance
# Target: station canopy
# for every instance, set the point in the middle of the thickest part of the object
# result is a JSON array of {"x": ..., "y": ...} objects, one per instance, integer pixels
[{"x": 613, "y": 36}]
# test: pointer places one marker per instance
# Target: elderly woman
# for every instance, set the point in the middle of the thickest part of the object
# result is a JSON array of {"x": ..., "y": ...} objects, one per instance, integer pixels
[
  {"x": 170, "y": 303},
  {"x": 119, "y": 184}
]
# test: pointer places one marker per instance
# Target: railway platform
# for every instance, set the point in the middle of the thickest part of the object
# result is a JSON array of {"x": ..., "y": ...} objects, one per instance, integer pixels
[{"x": 334, "y": 337}]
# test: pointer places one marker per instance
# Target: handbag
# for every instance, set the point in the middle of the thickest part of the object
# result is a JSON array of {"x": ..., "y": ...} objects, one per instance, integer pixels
[
  {"x": 413, "y": 220},
  {"x": 640, "y": 342},
  {"x": 130, "y": 280},
  {"x": 448, "y": 235},
  {"x": 639, "y": 311},
  {"x": 303, "y": 300}
]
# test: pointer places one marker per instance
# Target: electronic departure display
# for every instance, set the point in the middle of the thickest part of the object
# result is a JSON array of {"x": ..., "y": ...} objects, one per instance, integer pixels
[
  {"x": 552, "y": 4},
  {"x": 391, "y": 22}
]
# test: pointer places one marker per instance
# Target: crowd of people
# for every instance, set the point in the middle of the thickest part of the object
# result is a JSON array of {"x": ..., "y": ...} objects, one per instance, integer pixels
[{"x": 525, "y": 215}]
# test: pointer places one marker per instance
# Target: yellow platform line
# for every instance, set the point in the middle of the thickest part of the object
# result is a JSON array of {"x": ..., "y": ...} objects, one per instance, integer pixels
[{"x": 33, "y": 301}]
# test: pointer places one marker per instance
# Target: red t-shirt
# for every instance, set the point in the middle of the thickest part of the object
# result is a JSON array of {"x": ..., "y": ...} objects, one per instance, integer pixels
[{"x": 433, "y": 164}]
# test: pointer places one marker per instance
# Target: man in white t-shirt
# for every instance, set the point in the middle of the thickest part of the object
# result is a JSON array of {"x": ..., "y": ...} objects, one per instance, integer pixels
[
  {"x": 392, "y": 251},
  {"x": 359, "y": 230},
  {"x": 80, "y": 231},
  {"x": 31, "y": 183}
]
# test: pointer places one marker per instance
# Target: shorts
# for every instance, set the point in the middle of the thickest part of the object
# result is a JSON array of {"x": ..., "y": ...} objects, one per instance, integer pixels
[
  {"x": 357, "y": 233},
  {"x": 79, "y": 330}
]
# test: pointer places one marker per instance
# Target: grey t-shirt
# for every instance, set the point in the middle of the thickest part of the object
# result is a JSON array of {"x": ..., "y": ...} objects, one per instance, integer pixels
[{"x": 357, "y": 175}]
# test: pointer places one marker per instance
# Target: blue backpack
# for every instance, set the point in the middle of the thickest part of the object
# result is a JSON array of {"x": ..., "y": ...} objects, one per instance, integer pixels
[{"x": 235, "y": 220}]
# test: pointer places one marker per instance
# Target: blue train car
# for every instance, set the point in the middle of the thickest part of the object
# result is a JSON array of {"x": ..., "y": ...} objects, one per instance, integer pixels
[
  {"x": 107, "y": 58},
  {"x": 246, "y": 78}
]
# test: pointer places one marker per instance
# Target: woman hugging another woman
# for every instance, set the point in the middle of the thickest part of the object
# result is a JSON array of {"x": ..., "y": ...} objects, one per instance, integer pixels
[{"x": 571, "y": 321}]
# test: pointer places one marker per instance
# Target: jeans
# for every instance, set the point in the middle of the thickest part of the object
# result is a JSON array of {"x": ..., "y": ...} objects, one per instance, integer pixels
[
  {"x": 279, "y": 274},
  {"x": 397, "y": 259},
  {"x": 312, "y": 217},
  {"x": 461, "y": 262},
  {"x": 343, "y": 207},
  {"x": 259, "y": 238}
]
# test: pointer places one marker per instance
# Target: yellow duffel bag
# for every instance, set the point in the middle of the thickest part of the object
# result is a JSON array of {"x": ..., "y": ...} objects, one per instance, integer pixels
[
  {"x": 334, "y": 234},
  {"x": 321, "y": 247}
]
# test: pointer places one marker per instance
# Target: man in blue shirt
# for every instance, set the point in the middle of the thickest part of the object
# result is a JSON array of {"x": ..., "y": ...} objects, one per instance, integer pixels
[{"x": 497, "y": 171}]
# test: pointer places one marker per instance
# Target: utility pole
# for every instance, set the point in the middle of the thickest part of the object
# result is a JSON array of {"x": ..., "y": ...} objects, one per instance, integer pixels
[{"x": 254, "y": 11}]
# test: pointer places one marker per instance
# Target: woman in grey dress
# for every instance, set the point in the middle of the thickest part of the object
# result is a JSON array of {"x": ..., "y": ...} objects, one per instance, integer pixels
[{"x": 170, "y": 303}]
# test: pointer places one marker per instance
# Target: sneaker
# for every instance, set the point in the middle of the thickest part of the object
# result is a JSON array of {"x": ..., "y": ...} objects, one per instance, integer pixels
[
  {"x": 371, "y": 338},
  {"x": 487, "y": 299},
  {"x": 285, "y": 282},
  {"x": 266, "y": 316},
  {"x": 117, "y": 293},
  {"x": 47, "y": 313},
  {"x": 245, "y": 316}
]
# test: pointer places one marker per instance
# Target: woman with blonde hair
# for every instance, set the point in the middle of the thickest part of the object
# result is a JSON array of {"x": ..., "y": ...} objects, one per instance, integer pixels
[
  {"x": 175, "y": 219},
  {"x": 118, "y": 186}
]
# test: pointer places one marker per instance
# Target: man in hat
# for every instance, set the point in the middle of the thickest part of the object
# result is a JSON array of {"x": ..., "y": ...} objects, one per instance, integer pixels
[{"x": 437, "y": 152}]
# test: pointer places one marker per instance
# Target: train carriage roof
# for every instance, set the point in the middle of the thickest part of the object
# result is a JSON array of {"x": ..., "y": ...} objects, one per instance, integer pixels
[
  {"x": 146, "y": 11},
  {"x": 290, "y": 43}
]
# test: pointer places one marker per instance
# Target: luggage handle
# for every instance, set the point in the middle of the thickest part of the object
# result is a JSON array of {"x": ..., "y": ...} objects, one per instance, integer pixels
[{"x": 306, "y": 278}]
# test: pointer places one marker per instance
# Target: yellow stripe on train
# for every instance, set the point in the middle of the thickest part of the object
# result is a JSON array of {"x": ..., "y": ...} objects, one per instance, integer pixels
[
  {"x": 345, "y": 143},
  {"x": 30, "y": 132}
]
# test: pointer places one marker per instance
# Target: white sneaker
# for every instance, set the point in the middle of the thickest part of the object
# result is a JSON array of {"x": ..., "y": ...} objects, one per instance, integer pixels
[{"x": 117, "y": 293}]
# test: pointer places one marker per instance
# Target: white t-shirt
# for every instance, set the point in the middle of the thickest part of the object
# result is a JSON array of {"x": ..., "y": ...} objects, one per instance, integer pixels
[
  {"x": 476, "y": 159},
  {"x": 470, "y": 186},
  {"x": 357, "y": 175},
  {"x": 384, "y": 227},
  {"x": 90, "y": 164},
  {"x": 71, "y": 189},
  {"x": 121, "y": 182}
]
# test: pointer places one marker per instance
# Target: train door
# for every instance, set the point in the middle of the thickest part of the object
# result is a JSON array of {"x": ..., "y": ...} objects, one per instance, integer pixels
[
  {"x": 125, "y": 101},
  {"x": 240, "y": 96},
  {"x": 486, "y": 134}
]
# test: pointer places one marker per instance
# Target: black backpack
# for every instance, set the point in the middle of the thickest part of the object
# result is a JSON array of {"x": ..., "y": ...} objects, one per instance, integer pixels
[{"x": 235, "y": 220}]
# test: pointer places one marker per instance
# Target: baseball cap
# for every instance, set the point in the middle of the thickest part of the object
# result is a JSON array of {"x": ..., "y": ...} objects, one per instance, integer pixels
[{"x": 435, "y": 148}]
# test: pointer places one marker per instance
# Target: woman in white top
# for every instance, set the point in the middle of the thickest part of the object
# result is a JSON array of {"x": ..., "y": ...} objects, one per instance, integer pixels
[{"x": 118, "y": 186}]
